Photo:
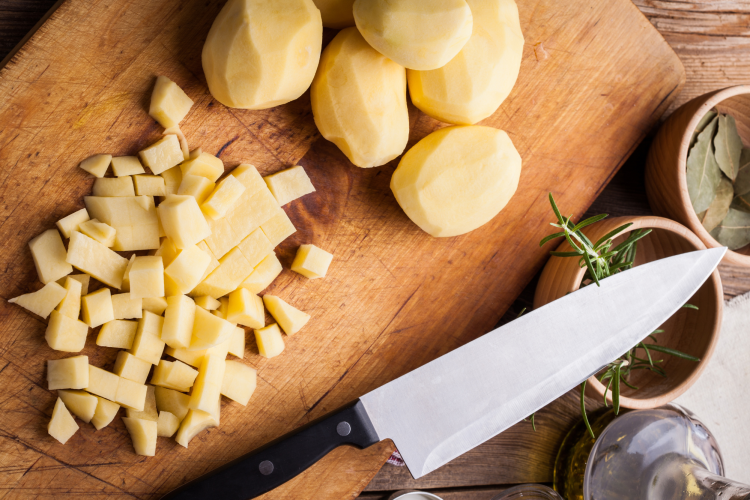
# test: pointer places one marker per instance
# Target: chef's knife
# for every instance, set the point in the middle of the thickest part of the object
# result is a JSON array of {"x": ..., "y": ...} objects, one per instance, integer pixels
[{"x": 456, "y": 402}]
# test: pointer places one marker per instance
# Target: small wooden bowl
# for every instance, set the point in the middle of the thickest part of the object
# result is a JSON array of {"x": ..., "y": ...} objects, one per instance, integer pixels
[
  {"x": 692, "y": 332},
  {"x": 666, "y": 166}
]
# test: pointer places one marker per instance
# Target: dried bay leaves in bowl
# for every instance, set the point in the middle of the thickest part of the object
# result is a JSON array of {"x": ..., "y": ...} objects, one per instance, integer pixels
[
  {"x": 703, "y": 172},
  {"x": 728, "y": 146},
  {"x": 719, "y": 207},
  {"x": 734, "y": 230},
  {"x": 707, "y": 118},
  {"x": 742, "y": 182}
]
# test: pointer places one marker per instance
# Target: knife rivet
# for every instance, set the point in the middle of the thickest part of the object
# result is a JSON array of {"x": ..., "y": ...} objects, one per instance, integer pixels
[
  {"x": 343, "y": 428},
  {"x": 266, "y": 467}
]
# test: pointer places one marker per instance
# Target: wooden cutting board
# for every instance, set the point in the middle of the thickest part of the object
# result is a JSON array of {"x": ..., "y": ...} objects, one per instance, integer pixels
[{"x": 595, "y": 79}]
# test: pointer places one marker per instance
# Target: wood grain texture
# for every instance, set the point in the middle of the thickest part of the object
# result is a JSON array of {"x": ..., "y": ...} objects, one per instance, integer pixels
[{"x": 394, "y": 298}]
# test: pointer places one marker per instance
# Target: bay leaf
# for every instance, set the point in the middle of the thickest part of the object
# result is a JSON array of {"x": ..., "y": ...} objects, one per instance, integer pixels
[
  {"x": 742, "y": 182},
  {"x": 703, "y": 173},
  {"x": 719, "y": 207},
  {"x": 741, "y": 203},
  {"x": 728, "y": 146},
  {"x": 707, "y": 118},
  {"x": 734, "y": 230}
]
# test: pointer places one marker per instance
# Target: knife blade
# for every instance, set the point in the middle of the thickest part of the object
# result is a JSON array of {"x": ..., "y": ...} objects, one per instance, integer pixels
[{"x": 456, "y": 402}]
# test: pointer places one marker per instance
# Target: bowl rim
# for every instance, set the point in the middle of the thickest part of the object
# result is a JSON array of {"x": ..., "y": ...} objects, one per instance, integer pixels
[{"x": 694, "y": 223}]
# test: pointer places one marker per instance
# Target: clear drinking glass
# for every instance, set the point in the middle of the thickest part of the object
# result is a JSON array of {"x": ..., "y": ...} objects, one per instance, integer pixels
[{"x": 529, "y": 492}]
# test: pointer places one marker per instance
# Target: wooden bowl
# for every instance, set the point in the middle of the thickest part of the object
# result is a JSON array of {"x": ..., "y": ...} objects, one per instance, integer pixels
[
  {"x": 666, "y": 166},
  {"x": 689, "y": 331}
]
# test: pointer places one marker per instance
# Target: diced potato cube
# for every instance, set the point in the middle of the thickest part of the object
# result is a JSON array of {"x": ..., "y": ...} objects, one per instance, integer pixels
[
  {"x": 206, "y": 165},
  {"x": 223, "y": 197},
  {"x": 187, "y": 269},
  {"x": 84, "y": 279},
  {"x": 132, "y": 368},
  {"x": 251, "y": 211},
  {"x": 193, "y": 358},
  {"x": 117, "y": 333},
  {"x": 149, "y": 408},
  {"x": 207, "y": 387},
  {"x": 114, "y": 186},
  {"x": 65, "y": 334},
  {"x": 174, "y": 375},
  {"x": 126, "y": 165},
  {"x": 143, "y": 435},
  {"x": 150, "y": 185},
  {"x": 71, "y": 304},
  {"x": 223, "y": 238},
  {"x": 68, "y": 373},
  {"x": 180, "y": 137},
  {"x": 183, "y": 220},
  {"x": 125, "y": 287},
  {"x": 223, "y": 308},
  {"x": 178, "y": 321},
  {"x": 43, "y": 301},
  {"x": 49, "y": 255},
  {"x": 70, "y": 223},
  {"x": 172, "y": 180},
  {"x": 289, "y": 318},
  {"x": 270, "y": 343},
  {"x": 62, "y": 425},
  {"x": 103, "y": 383},
  {"x": 195, "y": 422},
  {"x": 96, "y": 165},
  {"x": 99, "y": 231},
  {"x": 172, "y": 401},
  {"x": 105, "y": 412},
  {"x": 97, "y": 307},
  {"x": 126, "y": 307},
  {"x": 156, "y": 305},
  {"x": 311, "y": 261},
  {"x": 278, "y": 228},
  {"x": 256, "y": 247},
  {"x": 249, "y": 177},
  {"x": 147, "y": 344},
  {"x": 131, "y": 394},
  {"x": 169, "y": 103},
  {"x": 133, "y": 217},
  {"x": 290, "y": 184},
  {"x": 237, "y": 343},
  {"x": 263, "y": 275},
  {"x": 206, "y": 302},
  {"x": 146, "y": 277},
  {"x": 233, "y": 268},
  {"x": 214, "y": 261},
  {"x": 167, "y": 251},
  {"x": 163, "y": 154},
  {"x": 196, "y": 186},
  {"x": 95, "y": 259},
  {"x": 167, "y": 424},
  {"x": 239, "y": 382},
  {"x": 246, "y": 309},
  {"x": 209, "y": 330},
  {"x": 80, "y": 403}
]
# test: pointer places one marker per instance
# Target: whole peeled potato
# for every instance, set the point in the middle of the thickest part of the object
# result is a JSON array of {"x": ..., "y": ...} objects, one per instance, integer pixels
[
  {"x": 474, "y": 83},
  {"x": 336, "y": 14},
  {"x": 260, "y": 53},
  {"x": 457, "y": 179},
  {"x": 359, "y": 101},
  {"x": 417, "y": 34}
]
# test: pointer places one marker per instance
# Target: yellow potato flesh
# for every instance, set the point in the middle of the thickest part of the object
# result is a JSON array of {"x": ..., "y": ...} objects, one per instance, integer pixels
[
  {"x": 182, "y": 220},
  {"x": 457, "y": 179},
  {"x": 118, "y": 334},
  {"x": 132, "y": 368},
  {"x": 146, "y": 277},
  {"x": 96, "y": 165},
  {"x": 99, "y": 231},
  {"x": 80, "y": 403},
  {"x": 196, "y": 186},
  {"x": 172, "y": 401},
  {"x": 169, "y": 103},
  {"x": 223, "y": 197},
  {"x": 204, "y": 165},
  {"x": 289, "y": 184},
  {"x": 143, "y": 433},
  {"x": 289, "y": 318},
  {"x": 127, "y": 165},
  {"x": 68, "y": 373},
  {"x": 71, "y": 304},
  {"x": 126, "y": 307},
  {"x": 70, "y": 223},
  {"x": 172, "y": 180},
  {"x": 96, "y": 308},
  {"x": 256, "y": 247},
  {"x": 65, "y": 334},
  {"x": 43, "y": 301},
  {"x": 237, "y": 343},
  {"x": 149, "y": 411},
  {"x": 102, "y": 383},
  {"x": 311, "y": 261},
  {"x": 95, "y": 259},
  {"x": 131, "y": 394},
  {"x": 62, "y": 425},
  {"x": 163, "y": 154},
  {"x": 270, "y": 343},
  {"x": 260, "y": 54},
  {"x": 359, "y": 101},
  {"x": 147, "y": 344},
  {"x": 49, "y": 256},
  {"x": 416, "y": 34},
  {"x": 156, "y": 305},
  {"x": 239, "y": 382},
  {"x": 105, "y": 413},
  {"x": 178, "y": 321},
  {"x": 192, "y": 424},
  {"x": 207, "y": 387},
  {"x": 278, "y": 228},
  {"x": 246, "y": 309},
  {"x": 133, "y": 218},
  {"x": 263, "y": 275},
  {"x": 336, "y": 14},
  {"x": 150, "y": 185},
  {"x": 167, "y": 424},
  {"x": 114, "y": 186},
  {"x": 209, "y": 330},
  {"x": 233, "y": 268}
]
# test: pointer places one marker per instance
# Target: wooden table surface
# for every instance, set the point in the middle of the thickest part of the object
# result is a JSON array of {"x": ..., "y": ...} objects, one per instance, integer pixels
[{"x": 712, "y": 37}]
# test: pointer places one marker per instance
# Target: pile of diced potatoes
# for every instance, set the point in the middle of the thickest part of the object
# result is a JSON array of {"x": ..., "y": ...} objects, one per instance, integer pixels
[{"x": 210, "y": 239}]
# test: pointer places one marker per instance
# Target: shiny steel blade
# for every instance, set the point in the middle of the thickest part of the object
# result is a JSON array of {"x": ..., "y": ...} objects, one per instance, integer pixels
[{"x": 456, "y": 402}]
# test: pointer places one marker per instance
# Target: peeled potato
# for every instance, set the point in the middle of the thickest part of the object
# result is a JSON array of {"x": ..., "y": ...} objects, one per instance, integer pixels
[
  {"x": 260, "y": 54},
  {"x": 474, "y": 83},
  {"x": 417, "y": 34},
  {"x": 457, "y": 179},
  {"x": 336, "y": 14},
  {"x": 359, "y": 101}
]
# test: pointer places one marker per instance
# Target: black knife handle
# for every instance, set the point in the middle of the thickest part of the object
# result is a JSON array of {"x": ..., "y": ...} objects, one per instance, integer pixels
[{"x": 276, "y": 463}]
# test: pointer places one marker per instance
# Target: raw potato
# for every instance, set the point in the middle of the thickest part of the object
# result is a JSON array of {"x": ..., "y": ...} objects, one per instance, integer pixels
[
  {"x": 262, "y": 54},
  {"x": 172, "y": 401},
  {"x": 49, "y": 256},
  {"x": 169, "y": 103},
  {"x": 290, "y": 184},
  {"x": 207, "y": 386},
  {"x": 256, "y": 247},
  {"x": 263, "y": 275},
  {"x": 132, "y": 368},
  {"x": 270, "y": 343},
  {"x": 223, "y": 197},
  {"x": 143, "y": 433},
  {"x": 146, "y": 277},
  {"x": 206, "y": 302},
  {"x": 311, "y": 261},
  {"x": 156, "y": 305},
  {"x": 223, "y": 308},
  {"x": 193, "y": 423},
  {"x": 71, "y": 304},
  {"x": 246, "y": 309},
  {"x": 65, "y": 334},
  {"x": 167, "y": 424},
  {"x": 289, "y": 318},
  {"x": 336, "y": 14},
  {"x": 150, "y": 185},
  {"x": 84, "y": 279},
  {"x": 178, "y": 321},
  {"x": 43, "y": 301},
  {"x": 239, "y": 382},
  {"x": 196, "y": 186},
  {"x": 62, "y": 425},
  {"x": 187, "y": 268},
  {"x": 209, "y": 330},
  {"x": 114, "y": 186},
  {"x": 105, "y": 412},
  {"x": 193, "y": 358},
  {"x": 359, "y": 101},
  {"x": 414, "y": 33},
  {"x": 457, "y": 179},
  {"x": 204, "y": 165},
  {"x": 103, "y": 383},
  {"x": 163, "y": 154},
  {"x": 68, "y": 373},
  {"x": 99, "y": 231},
  {"x": 174, "y": 375},
  {"x": 95, "y": 259},
  {"x": 80, "y": 403},
  {"x": 182, "y": 220},
  {"x": 172, "y": 179},
  {"x": 127, "y": 165},
  {"x": 131, "y": 394},
  {"x": 96, "y": 165},
  {"x": 474, "y": 83},
  {"x": 237, "y": 343},
  {"x": 149, "y": 408},
  {"x": 133, "y": 217},
  {"x": 233, "y": 268},
  {"x": 148, "y": 344},
  {"x": 70, "y": 223},
  {"x": 118, "y": 334},
  {"x": 126, "y": 307},
  {"x": 96, "y": 308},
  {"x": 278, "y": 228}
]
